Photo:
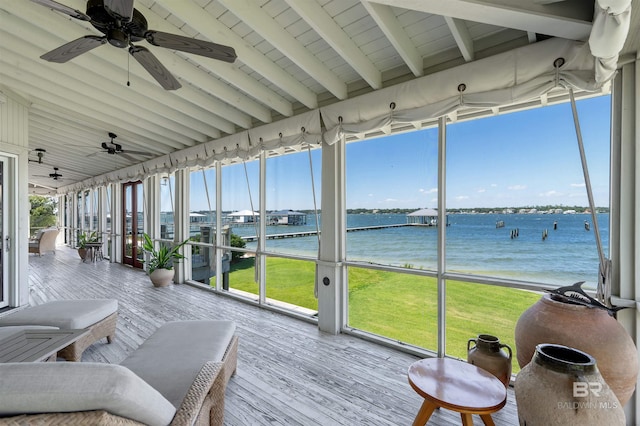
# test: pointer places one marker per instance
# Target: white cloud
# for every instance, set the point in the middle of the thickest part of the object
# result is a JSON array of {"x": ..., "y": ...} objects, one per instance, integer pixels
[
  {"x": 428, "y": 191},
  {"x": 462, "y": 197},
  {"x": 577, "y": 185},
  {"x": 482, "y": 190},
  {"x": 517, "y": 187}
]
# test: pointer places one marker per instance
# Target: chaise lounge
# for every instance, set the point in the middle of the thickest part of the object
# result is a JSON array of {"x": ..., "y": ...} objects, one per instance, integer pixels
[
  {"x": 99, "y": 316},
  {"x": 178, "y": 376}
]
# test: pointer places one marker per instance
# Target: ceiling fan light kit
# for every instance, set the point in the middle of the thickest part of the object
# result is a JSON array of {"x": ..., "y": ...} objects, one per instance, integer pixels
[{"x": 122, "y": 25}]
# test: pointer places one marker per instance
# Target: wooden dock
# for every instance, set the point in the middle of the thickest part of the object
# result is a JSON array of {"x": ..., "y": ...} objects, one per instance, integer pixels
[{"x": 313, "y": 233}]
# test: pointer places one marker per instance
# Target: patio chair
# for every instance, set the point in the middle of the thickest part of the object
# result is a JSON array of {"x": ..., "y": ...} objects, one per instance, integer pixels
[{"x": 45, "y": 241}]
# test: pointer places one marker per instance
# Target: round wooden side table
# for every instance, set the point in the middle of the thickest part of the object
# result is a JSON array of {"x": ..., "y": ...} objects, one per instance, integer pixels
[{"x": 457, "y": 386}]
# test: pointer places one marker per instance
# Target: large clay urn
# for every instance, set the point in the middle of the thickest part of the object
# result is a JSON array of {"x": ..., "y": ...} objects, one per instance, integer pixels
[
  {"x": 590, "y": 330},
  {"x": 162, "y": 277},
  {"x": 561, "y": 386}
]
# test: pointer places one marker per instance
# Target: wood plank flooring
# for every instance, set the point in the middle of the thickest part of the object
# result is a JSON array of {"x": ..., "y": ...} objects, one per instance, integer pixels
[{"x": 289, "y": 373}]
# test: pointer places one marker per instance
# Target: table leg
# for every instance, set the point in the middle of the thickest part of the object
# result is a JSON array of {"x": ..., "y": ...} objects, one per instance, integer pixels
[
  {"x": 467, "y": 419},
  {"x": 425, "y": 412},
  {"x": 488, "y": 421}
]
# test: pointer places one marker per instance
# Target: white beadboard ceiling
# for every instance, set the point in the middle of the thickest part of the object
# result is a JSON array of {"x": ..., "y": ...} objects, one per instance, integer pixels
[{"x": 293, "y": 56}]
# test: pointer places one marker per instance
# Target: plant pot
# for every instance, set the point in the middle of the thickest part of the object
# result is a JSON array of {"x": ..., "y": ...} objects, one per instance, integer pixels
[
  {"x": 162, "y": 277},
  {"x": 590, "y": 330},
  {"x": 487, "y": 354},
  {"x": 562, "y": 386},
  {"x": 82, "y": 252}
]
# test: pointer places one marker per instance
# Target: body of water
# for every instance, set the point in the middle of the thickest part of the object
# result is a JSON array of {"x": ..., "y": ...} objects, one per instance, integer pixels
[{"x": 567, "y": 254}]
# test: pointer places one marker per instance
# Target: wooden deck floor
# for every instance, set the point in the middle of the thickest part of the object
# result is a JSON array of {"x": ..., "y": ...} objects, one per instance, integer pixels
[{"x": 289, "y": 373}]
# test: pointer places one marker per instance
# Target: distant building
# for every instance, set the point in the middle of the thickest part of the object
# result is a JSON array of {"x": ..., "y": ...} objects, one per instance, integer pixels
[
  {"x": 426, "y": 217},
  {"x": 244, "y": 216},
  {"x": 286, "y": 217}
]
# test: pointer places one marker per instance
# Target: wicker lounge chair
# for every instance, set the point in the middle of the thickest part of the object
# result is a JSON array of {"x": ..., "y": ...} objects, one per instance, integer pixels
[
  {"x": 99, "y": 316},
  {"x": 175, "y": 377}
]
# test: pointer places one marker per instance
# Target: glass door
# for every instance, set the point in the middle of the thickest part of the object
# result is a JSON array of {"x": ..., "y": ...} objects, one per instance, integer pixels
[
  {"x": 5, "y": 242},
  {"x": 133, "y": 223}
]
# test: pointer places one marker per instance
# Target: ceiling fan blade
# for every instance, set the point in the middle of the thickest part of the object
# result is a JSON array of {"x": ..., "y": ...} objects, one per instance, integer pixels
[
  {"x": 191, "y": 45},
  {"x": 120, "y": 8},
  {"x": 147, "y": 154},
  {"x": 74, "y": 48},
  {"x": 74, "y": 13},
  {"x": 128, "y": 157},
  {"x": 154, "y": 67}
]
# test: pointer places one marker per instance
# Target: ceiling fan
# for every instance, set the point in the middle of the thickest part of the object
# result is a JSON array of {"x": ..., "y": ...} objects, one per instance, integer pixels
[
  {"x": 122, "y": 25},
  {"x": 40, "y": 153},
  {"x": 115, "y": 148},
  {"x": 55, "y": 175}
]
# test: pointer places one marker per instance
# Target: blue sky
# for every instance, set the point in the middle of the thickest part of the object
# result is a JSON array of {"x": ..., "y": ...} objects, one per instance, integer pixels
[{"x": 512, "y": 160}]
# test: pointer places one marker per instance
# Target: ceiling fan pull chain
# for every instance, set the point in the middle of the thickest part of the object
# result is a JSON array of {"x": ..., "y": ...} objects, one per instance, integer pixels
[{"x": 128, "y": 75}]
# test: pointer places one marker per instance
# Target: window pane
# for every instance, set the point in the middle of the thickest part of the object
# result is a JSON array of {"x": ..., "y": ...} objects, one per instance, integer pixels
[
  {"x": 395, "y": 305},
  {"x": 202, "y": 224},
  {"x": 474, "y": 309},
  {"x": 241, "y": 278},
  {"x": 290, "y": 203},
  {"x": 86, "y": 209},
  {"x": 292, "y": 282},
  {"x": 388, "y": 178},
  {"x": 523, "y": 172},
  {"x": 167, "y": 219},
  {"x": 240, "y": 206}
]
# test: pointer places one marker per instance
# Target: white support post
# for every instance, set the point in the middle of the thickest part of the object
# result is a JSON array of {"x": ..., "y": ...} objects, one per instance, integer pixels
[
  {"x": 74, "y": 220},
  {"x": 331, "y": 276},
  {"x": 442, "y": 228},
  {"x": 261, "y": 259},
  {"x": 181, "y": 219},
  {"x": 102, "y": 216},
  {"x": 116, "y": 223},
  {"x": 219, "y": 252},
  {"x": 625, "y": 205},
  {"x": 152, "y": 206}
]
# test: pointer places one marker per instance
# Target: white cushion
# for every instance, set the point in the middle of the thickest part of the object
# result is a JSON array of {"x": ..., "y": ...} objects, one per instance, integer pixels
[
  {"x": 60, "y": 387},
  {"x": 173, "y": 356},
  {"x": 67, "y": 314}
]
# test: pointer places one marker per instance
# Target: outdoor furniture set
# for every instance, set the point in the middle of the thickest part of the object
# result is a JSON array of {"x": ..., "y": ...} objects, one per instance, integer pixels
[{"x": 178, "y": 376}]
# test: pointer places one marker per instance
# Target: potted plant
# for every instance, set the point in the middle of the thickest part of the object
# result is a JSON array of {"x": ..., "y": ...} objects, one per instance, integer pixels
[
  {"x": 83, "y": 239},
  {"x": 161, "y": 261}
]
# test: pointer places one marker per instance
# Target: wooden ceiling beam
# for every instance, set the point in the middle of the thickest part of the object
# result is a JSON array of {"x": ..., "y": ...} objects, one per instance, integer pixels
[
  {"x": 553, "y": 19},
  {"x": 201, "y": 21},
  {"x": 251, "y": 14},
  {"x": 326, "y": 27},
  {"x": 388, "y": 23}
]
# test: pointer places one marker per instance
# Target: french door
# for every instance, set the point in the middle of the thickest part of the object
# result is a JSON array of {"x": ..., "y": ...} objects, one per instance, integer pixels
[
  {"x": 133, "y": 223},
  {"x": 5, "y": 240}
]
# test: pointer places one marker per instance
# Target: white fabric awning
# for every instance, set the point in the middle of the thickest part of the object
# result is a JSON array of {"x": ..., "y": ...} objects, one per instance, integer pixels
[{"x": 517, "y": 75}]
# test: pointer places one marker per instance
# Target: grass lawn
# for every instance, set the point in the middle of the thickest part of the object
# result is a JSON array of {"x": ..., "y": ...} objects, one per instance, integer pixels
[{"x": 400, "y": 306}]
